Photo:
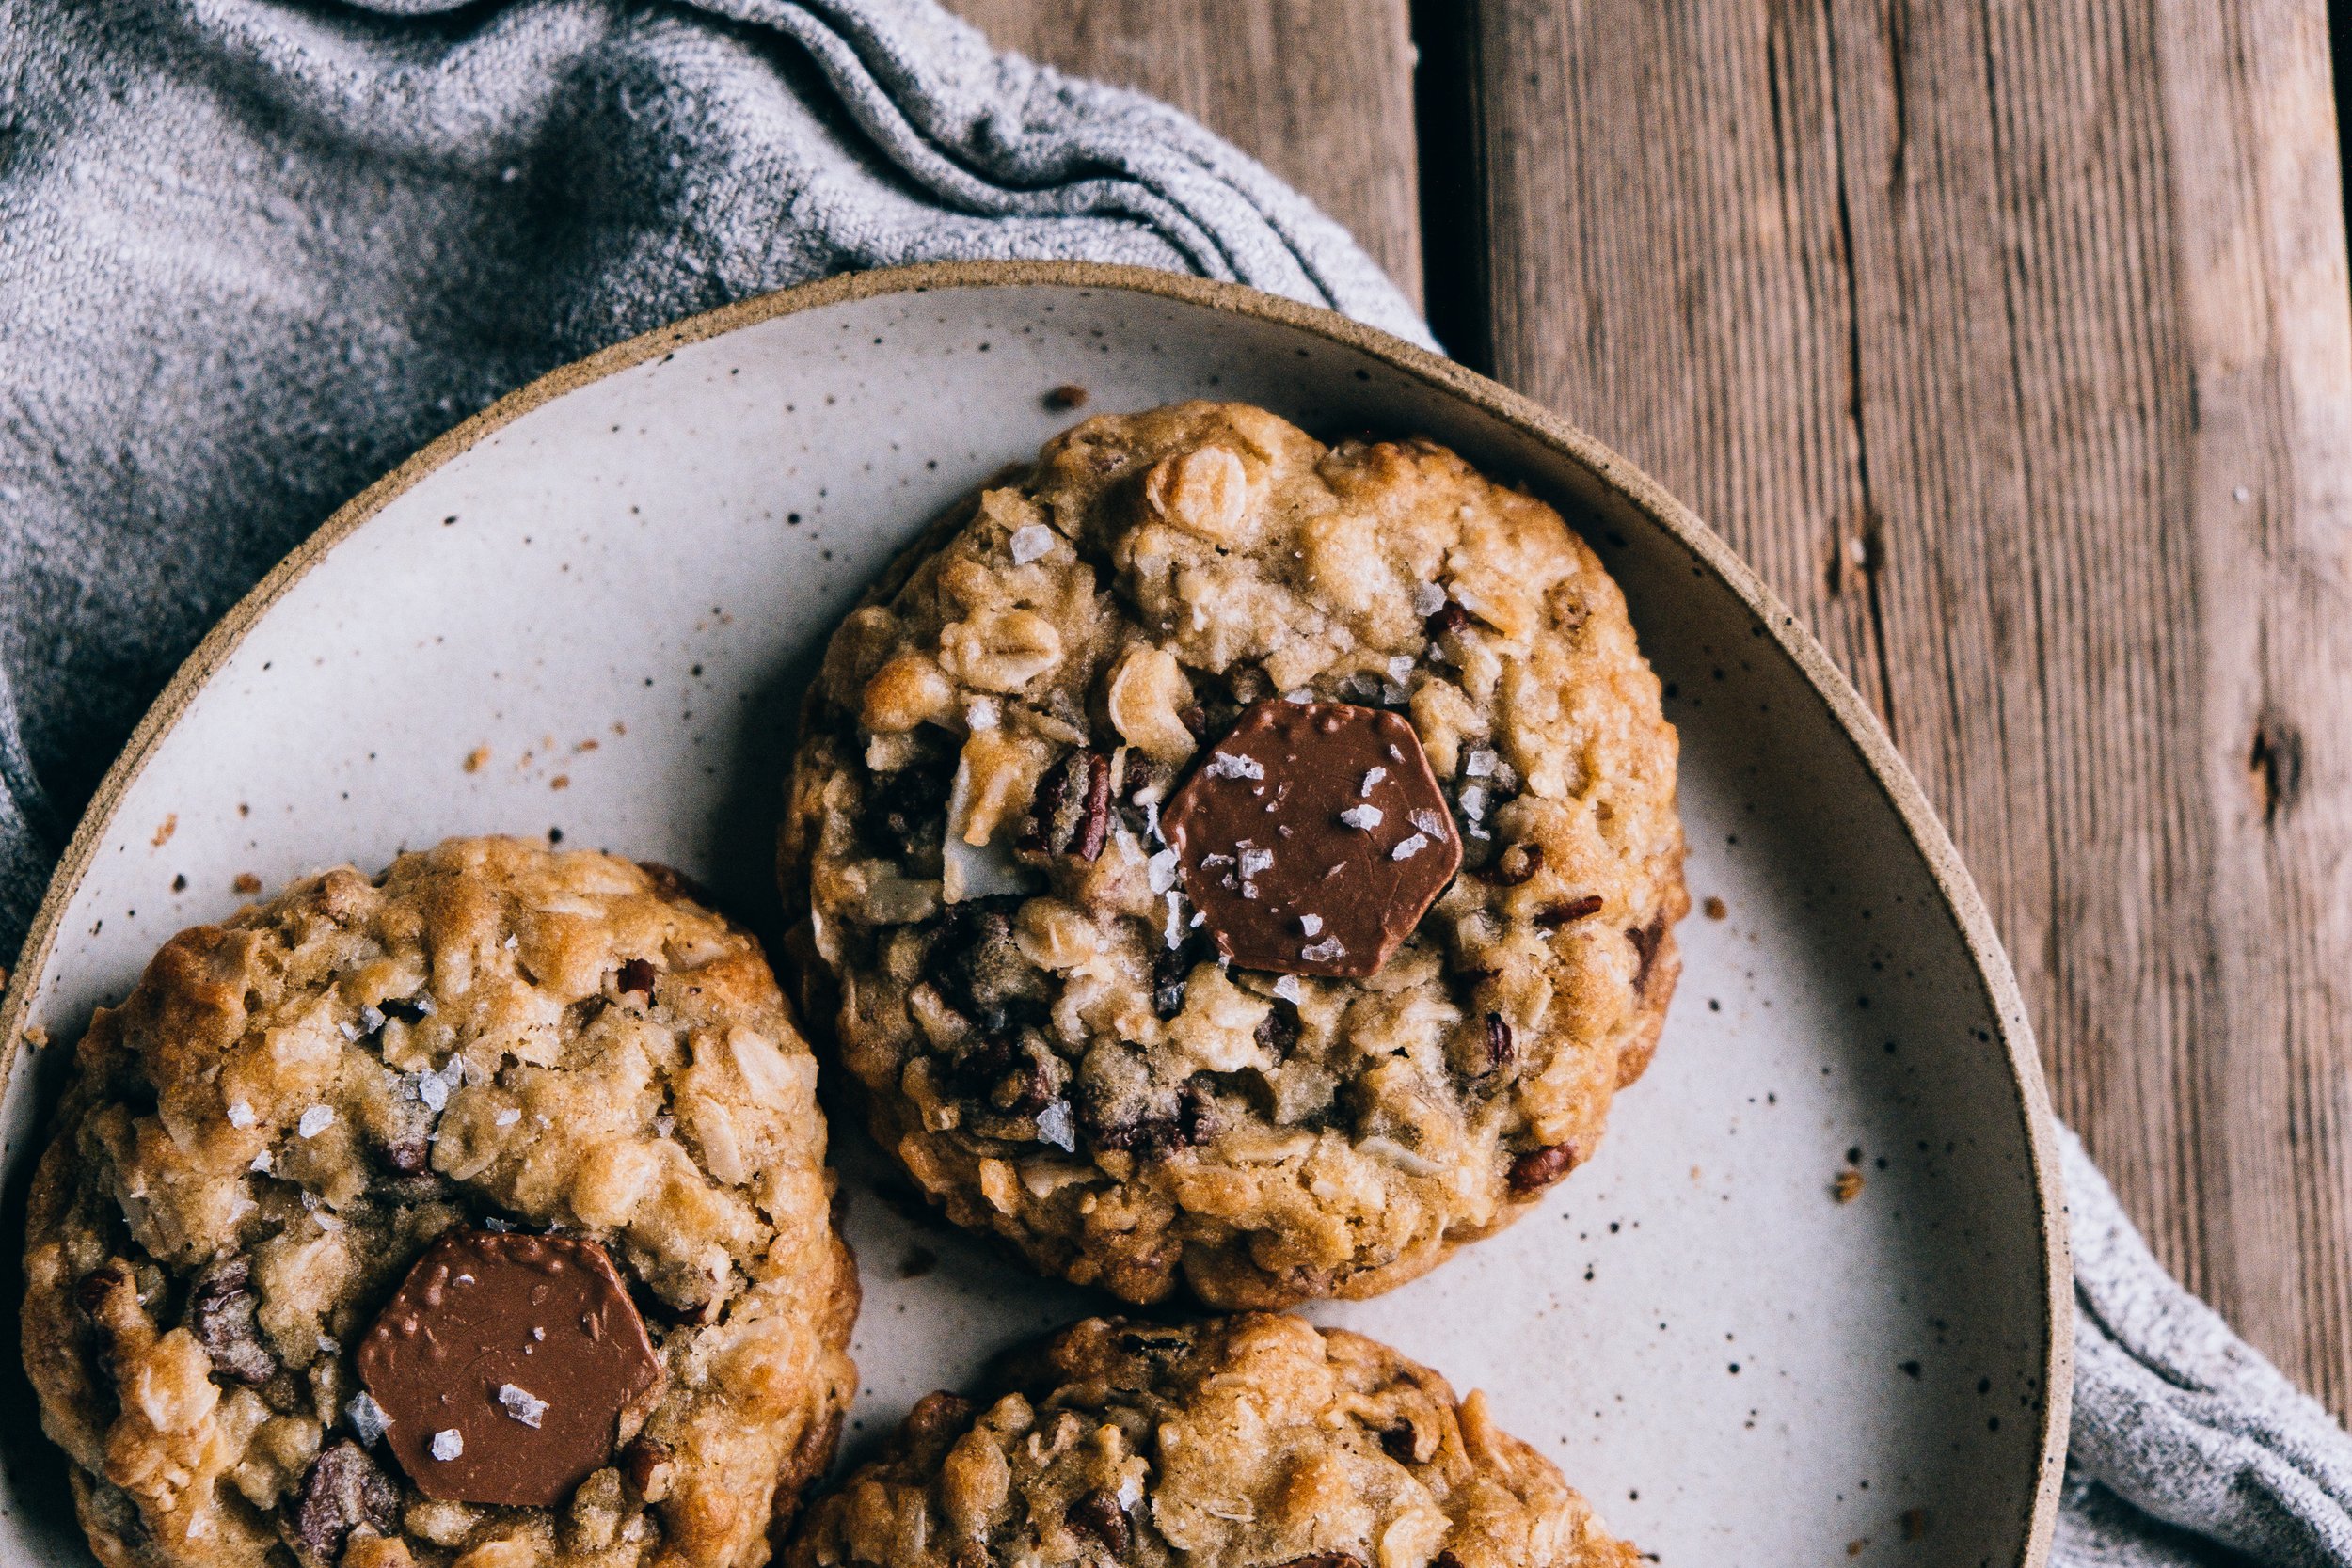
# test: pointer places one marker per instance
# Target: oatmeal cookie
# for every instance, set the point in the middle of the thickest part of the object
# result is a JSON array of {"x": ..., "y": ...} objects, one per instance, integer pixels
[
  {"x": 476, "y": 1214},
  {"x": 1116, "y": 823},
  {"x": 1246, "y": 1442}
]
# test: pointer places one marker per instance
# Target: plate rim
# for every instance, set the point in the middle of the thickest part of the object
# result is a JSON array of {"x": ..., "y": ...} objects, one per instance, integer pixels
[{"x": 1854, "y": 719}]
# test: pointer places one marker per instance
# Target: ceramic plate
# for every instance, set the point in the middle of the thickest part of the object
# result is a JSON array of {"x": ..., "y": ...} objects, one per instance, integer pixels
[{"x": 590, "y": 611}]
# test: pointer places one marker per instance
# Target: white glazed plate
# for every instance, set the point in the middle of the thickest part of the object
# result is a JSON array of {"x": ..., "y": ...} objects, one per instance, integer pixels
[{"x": 592, "y": 610}]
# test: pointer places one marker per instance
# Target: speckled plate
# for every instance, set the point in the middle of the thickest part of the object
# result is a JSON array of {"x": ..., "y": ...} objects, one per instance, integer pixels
[{"x": 590, "y": 611}]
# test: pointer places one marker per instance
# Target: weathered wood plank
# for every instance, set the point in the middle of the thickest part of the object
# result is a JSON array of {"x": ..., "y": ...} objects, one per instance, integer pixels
[
  {"x": 1322, "y": 100},
  {"x": 2012, "y": 344}
]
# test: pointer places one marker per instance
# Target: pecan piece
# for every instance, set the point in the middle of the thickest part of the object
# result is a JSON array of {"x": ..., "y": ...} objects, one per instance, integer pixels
[
  {"x": 1097, "y": 1513},
  {"x": 637, "y": 976},
  {"x": 1539, "y": 1168},
  {"x": 1647, "y": 941},
  {"x": 1569, "y": 911},
  {"x": 1073, "y": 813},
  {"x": 343, "y": 1491},
  {"x": 220, "y": 1315}
]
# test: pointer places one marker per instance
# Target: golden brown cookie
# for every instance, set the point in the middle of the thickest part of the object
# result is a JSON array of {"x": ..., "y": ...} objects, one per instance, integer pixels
[
  {"x": 1244, "y": 1442},
  {"x": 473, "y": 1214},
  {"x": 1094, "y": 1010}
]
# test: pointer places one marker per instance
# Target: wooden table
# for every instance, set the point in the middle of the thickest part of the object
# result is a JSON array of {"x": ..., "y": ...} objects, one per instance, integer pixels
[{"x": 2012, "y": 344}]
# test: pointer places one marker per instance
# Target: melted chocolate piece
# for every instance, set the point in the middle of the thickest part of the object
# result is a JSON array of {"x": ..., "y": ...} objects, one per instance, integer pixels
[
  {"x": 503, "y": 1361},
  {"x": 1313, "y": 838}
]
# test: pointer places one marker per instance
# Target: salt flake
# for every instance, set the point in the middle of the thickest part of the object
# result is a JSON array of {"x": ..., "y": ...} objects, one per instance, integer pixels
[
  {"x": 1255, "y": 861},
  {"x": 1288, "y": 988},
  {"x": 1029, "y": 541},
  {"x": 1372, "y": 777},
  {"x": 1480, "y": 764},
  {"x": 1310, "y": 924},
  {"x": 521, "y": 1404},
  {"x": 1363, "y": 819},
  {"x": 317, "y": 1120},
  {"x": 367, "y": 1417},
  {"x": 508, "y": 1116},
  {"x": 1406, "y": 849},
  {"x": 1427, "y": 821},
  {"x": 1054, "y": 1126},
  {"x": 448, "y": 1444},
  {"x": 1230, "y": 765},
  {"x": 1428, "y": 598},
  {"x": 240, "y": 1114},
  {"x": 1323, "y": 951},
  {"x": 1160, "y": 870}
]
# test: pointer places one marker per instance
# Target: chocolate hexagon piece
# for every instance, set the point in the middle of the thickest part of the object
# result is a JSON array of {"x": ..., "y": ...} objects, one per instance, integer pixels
[
  {"x": 1313, "y": 838},
  {"x": 501, "y": 1365}
]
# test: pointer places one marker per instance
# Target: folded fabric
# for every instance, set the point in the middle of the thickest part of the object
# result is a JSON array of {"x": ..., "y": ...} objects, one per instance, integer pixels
[{"x": 253, "y": 254}]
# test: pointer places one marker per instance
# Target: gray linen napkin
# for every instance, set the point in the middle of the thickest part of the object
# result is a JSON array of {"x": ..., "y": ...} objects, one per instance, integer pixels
[{"x": 253, "y": 254}]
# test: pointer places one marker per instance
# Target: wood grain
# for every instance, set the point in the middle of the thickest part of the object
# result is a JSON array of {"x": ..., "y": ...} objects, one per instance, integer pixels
[
  {"x": 2012, "y": 344},
  {"x": 1320, "y": 94}
]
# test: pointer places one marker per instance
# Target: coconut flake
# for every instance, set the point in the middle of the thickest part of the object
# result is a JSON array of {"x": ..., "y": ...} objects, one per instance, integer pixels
[
  {"x": 521, "y": 1404},
  {"x": 1029, "y": 541},
  {"x": 1054, "y": 1126},
  {"x": 448, "y": 1444},
  {"x": 1362, "y": 818},
  {"x": 367, "y": 1417},
  {"x": 1230, "y": 765},
  {"x": 1372, "y": 777},
  {"x": 240, "y": 1114},
  {"x": 317, "y": 1120},
  {"x": 1406, "y": 849}
]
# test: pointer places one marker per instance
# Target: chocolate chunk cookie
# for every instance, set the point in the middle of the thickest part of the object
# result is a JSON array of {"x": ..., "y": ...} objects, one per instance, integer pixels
[
  {"x": 1235, "y": 861},
  {"x": 1248, "y": 1441},
  {"x": 476, "y": 1214}
]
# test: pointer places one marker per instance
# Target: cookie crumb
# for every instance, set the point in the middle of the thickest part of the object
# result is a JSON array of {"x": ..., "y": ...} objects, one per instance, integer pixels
[
  {"x": 245, "y": 883},
  {"x": 1845, "y": 1187}
]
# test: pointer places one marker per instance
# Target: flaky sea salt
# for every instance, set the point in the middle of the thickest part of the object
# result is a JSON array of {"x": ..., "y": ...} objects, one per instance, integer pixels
[
  {"x": 1288, "y": 988},
  {"x": 1310, "y": 924},
  {"x": 1428, "y": 598},
  {"x": 1362, "y": 818},
  {"x": 521, "y": 1404},
  {"x": 1054, "y": 1126},
  {"x": 261, "y": 1164},
  {"x": 240, "y": 1114},
  {"x": 317, "y": 1120},
  {"x": 448, "y": 1444},
  {"x": 1400, "y": 668},
  {"x": 1256, "y": 861},
  {"x": 1480, "y": 764},
  {"x": 1231, "y": 764},
  {"x": 349, "y": 1030},
  {"x": 1427, "y": 821},
  {"x": 1175, "y": 924},
  {"x": 1473, "y": 799},
  {"x": 432, "y": 1089},
  {"x": 1160, "y": 870},
  {"x": 1029, "y": 541},
  {"x": 508, "y": 1116},
  {"x": 1372, "y": 777},
  {"x": 367, "y": 1417},
  {"x": 1323, "y": 951},
  {"x": 1408, "y": 847},
  {"x": 1301, "y": 696}
]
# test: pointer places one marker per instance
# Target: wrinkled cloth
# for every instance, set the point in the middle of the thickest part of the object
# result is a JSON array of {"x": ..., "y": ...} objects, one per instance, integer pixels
[{"x": 253, "y": 255}]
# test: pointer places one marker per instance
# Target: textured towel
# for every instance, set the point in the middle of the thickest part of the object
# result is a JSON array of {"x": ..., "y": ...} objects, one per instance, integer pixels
[{"x": 251, "y": 255}]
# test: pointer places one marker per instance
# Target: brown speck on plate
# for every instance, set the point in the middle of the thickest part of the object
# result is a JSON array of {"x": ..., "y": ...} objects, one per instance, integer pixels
[
  {"x": 1714, "y": 907},
  {"x": 562, "y": 780},
  {"x": 246, "y": 884},
  {"x": 1065, "y": 397},
  {"x": 164, "y": 831},
  {"x": 475, "y": 758},
  {"x": 1845, "y": 1187},
  {"x": 917, "y": 1262}
]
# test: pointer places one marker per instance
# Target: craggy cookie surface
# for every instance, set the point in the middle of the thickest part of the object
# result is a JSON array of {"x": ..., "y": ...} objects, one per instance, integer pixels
[
  {"x": 308, "y": 1161},
  {"x": 1039, "y": 1017},
  {"x": 1249, "y": 1442}
]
